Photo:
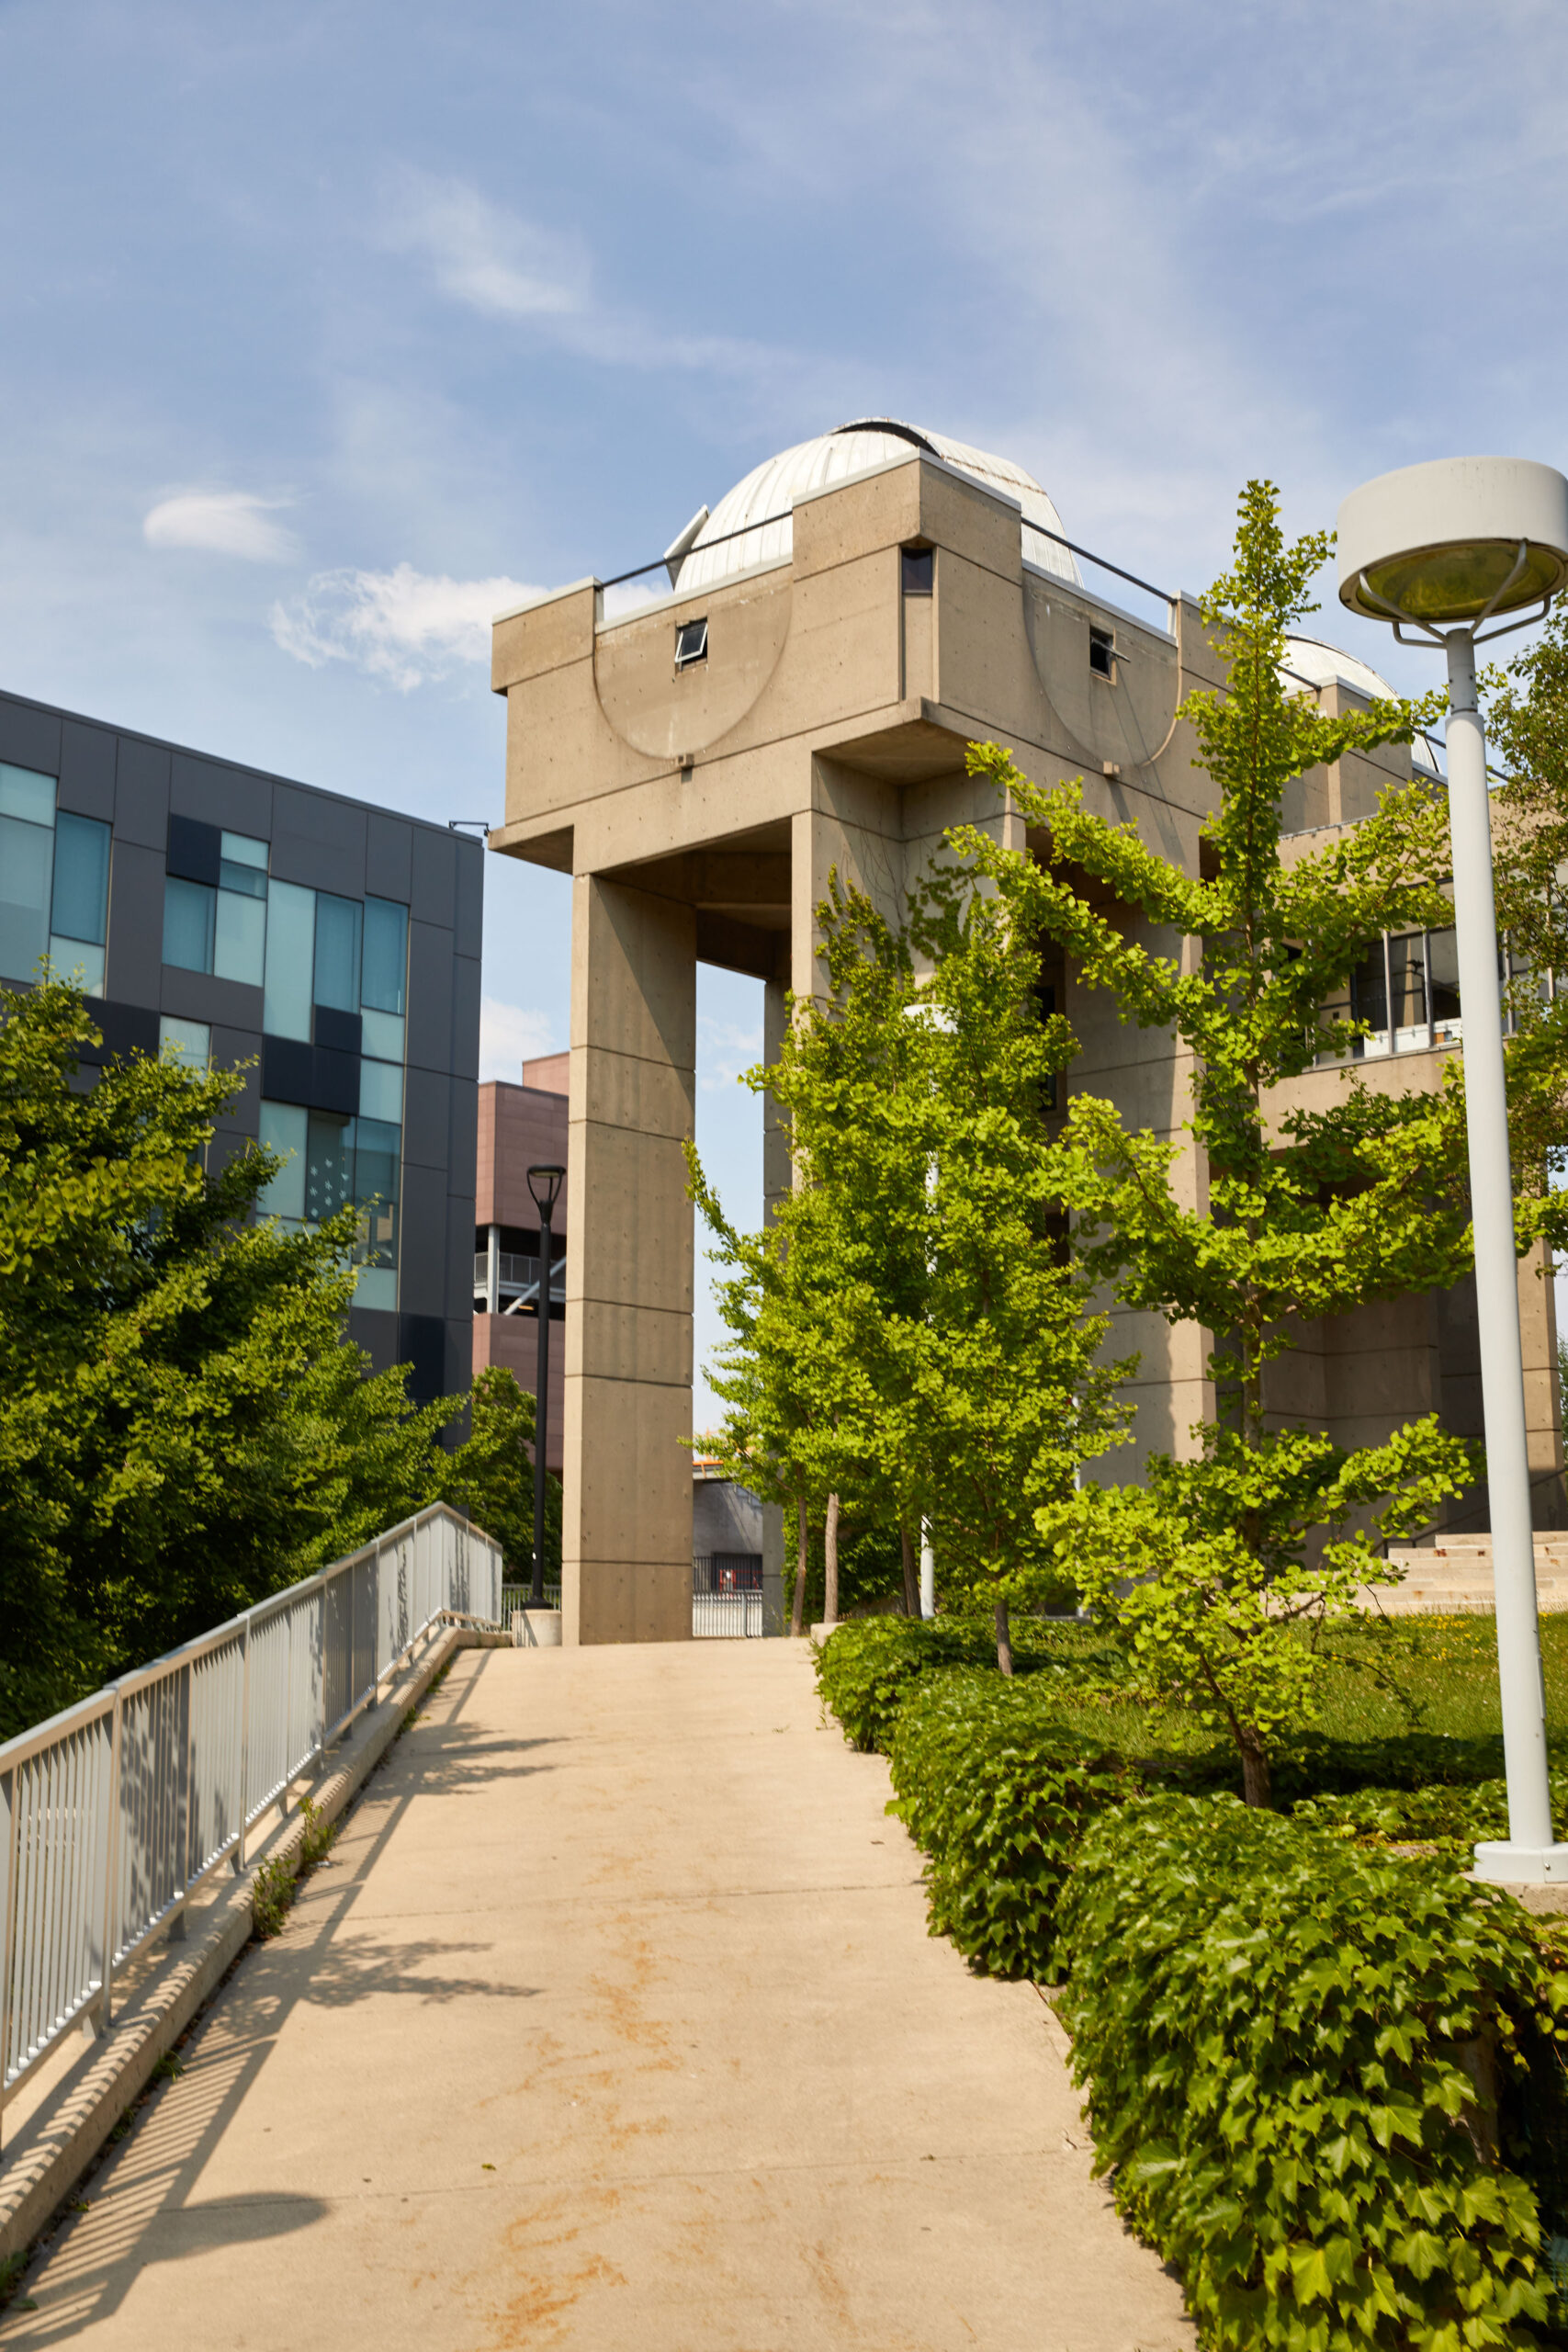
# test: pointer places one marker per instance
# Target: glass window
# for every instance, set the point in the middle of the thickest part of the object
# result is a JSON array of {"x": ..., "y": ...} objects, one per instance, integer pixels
[
  {"x": 1407, "y": 980},
  {"x": 691, "y": 643},
  {"x": 26, "y": 857},
  {"x": 381, "y": 1092},
  {"x": 376, "y": 1286},
  {"x": 917, "y": 571},
  {"x": 377, "y": 1152},
  {"x": 81, "y": 879},
  {"x": 185, "y": 1041},
  {"x": 25, "y": 794},
  {"x": 329, "y": 1165},
  {"x": 239, "y": 949},
  {"x": 1369, "y": 1002},
  {"x": 1442, "y": 951},
  {"x": 386, "y": 956},
  {"x": 79, "y": 962},
  {"x": 242, "y": 868},
  {"x": 290, "y": 958},
  {"x": 381, "y": 1033},
  {"x": 188, "y": 911},
  {"x": 338, "y": 925},
  {"x": 282, "y": 1131}
]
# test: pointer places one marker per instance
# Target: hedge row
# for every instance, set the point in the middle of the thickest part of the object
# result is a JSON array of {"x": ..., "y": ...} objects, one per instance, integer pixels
[
  {"x": 1287, "y": 2044},
  {"x": 1287, "y": 2033}
]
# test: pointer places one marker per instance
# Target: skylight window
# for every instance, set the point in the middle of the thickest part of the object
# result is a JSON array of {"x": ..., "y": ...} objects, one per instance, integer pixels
[{"x": 691, "y": 643}]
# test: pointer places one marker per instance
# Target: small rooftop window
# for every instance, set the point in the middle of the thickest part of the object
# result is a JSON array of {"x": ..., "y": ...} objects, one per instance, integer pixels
[
  {"x": 691, "y": 643},
  {"x": 918, "y": 567},
  {"x": 1102, "y": 652}
]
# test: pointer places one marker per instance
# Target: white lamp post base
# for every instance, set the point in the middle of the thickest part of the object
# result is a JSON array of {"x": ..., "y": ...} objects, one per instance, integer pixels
[{"x": 1522, "y": 1865}]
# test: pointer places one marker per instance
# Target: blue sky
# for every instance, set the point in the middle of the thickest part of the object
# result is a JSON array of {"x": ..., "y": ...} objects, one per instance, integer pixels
[{"x": 327, "y": 327}]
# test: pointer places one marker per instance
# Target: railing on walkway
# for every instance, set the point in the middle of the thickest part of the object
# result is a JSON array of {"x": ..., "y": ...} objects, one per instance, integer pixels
[
  {"x": 515, "y": 1596},
  {"x": 114, "y": 1812},
  {"x": 727, "y": 1596}
]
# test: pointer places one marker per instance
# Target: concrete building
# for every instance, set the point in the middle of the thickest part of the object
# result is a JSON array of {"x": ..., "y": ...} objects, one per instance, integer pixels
[
  {"x": 234, "y": 916},
  {"x": 520, "y": 1128},
  {"x": 846, "y": 621}
]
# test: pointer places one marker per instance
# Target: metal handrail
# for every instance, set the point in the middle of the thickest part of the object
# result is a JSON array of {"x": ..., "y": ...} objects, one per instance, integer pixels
[{"x": 114, "y": 1811}]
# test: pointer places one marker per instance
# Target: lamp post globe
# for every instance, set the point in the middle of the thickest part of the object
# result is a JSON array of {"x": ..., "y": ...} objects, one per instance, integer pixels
[
  {"x": 1454, "y": 553},
  {"x": 544, "y": 1181}
]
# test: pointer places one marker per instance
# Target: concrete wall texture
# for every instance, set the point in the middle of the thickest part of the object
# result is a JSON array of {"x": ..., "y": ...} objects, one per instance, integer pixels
[{"x": 699, "y": 811}]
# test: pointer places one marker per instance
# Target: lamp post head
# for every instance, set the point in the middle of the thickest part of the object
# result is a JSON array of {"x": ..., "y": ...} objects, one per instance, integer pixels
[
  {"x": 544, "y": 1183},
  {"x": 1455, "y": 541}
]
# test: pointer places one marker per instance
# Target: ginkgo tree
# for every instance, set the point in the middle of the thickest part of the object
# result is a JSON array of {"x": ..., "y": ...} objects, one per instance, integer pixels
[
  {"x": 910, "y": 1334},
  {"x": 1213, "y": 1564}
]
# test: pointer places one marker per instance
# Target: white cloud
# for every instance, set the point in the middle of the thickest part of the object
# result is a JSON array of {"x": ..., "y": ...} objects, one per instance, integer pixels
[
  {"x": 223, "y": 522},
  {"x": 485, "y": 256},
  {"x": 509, "y": 1035},
  {"x": 724, "y": 1050},
  {"x": 405, "y": 626}
]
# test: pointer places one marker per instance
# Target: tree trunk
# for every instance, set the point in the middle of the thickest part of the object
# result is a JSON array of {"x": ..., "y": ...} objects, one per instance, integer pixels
[
  {"x": 911, "y": 1575},
  {"x": 802, "y": 1563},
  {"x": 1004, "y": 1639},
  {"x": 830, "y": 1563},
  {"x": 1256, "y": 1784}
]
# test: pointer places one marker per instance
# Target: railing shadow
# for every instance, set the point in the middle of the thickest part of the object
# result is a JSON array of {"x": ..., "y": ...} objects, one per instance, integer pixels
[{"x": 143, "y": 2205}]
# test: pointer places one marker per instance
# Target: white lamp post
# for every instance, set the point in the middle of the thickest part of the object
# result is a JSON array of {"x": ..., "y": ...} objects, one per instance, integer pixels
[{"x": 1443, "y": 549}]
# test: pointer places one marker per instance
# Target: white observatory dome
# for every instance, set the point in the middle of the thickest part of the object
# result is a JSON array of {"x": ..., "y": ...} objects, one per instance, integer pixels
[
  {"x": 767, "y": 498},
  {"x": 1308, "y": 660}
]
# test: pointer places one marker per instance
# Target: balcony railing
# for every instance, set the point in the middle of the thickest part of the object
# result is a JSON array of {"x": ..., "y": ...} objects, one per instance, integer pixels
[
  {"x": 518, "y": 1276},
  {"x": 113, "y": 1813}
]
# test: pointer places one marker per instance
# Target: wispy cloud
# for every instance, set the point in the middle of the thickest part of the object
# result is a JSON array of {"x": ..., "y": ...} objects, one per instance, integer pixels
[
  {"x": 483, "y": 256},
  {"x": 220, "y": 522},
  {"x": 724, "y": 1050},
  {"x": 407, "y": 627},
  {"x": 511, "y": 1034}
]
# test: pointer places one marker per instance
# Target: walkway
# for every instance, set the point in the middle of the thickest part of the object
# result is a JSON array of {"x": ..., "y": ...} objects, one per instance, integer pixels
[{"x": 614, "y": 2023}]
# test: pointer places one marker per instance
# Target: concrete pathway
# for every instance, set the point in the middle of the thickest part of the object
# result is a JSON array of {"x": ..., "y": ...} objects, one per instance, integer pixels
[{"x": 613, "y": 2022}]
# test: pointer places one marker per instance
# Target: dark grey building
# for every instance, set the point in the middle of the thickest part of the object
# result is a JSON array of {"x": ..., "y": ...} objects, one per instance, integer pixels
[{"x": 227, "y": 914}]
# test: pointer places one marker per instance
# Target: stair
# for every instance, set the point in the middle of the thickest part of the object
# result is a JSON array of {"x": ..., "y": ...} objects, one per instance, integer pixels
[{"x": 1455, "y": 1574}]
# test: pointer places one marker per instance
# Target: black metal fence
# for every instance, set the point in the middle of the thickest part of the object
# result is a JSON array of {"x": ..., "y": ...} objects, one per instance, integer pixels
[{"x": 727, "y": 1596}]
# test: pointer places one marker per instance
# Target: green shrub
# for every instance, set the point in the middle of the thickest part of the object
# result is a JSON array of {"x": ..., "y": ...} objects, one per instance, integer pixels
[
  {"x": 866, "y": 1668},
  {"x": 1274, "y": 2026},
  {"x": 997, "y": 1798}
]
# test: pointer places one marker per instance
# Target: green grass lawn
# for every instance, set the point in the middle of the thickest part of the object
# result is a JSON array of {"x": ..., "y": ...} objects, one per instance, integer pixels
[{"x": 1428, "y": 1685}]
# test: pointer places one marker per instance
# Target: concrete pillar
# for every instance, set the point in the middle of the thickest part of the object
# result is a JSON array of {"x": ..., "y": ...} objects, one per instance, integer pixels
[{"x": 626, "y": 1565}]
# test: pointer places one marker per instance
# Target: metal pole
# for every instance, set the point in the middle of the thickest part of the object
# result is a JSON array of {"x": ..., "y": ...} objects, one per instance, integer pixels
[
  {"x": 927, "y": 1573},
  {"x": 541, "y": 1410},
  {"x": 1526, "y": 1856},
  {"x": 493, "y": 1272}
]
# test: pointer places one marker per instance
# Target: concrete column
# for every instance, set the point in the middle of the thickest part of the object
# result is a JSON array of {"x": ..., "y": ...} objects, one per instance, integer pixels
[{"x": 627, "y": 1566}]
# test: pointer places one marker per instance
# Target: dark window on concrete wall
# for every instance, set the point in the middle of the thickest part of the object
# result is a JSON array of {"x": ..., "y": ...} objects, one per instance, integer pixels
[
  {"x": 917, "y": 571},
  {"x": 1102, "y": 652}
]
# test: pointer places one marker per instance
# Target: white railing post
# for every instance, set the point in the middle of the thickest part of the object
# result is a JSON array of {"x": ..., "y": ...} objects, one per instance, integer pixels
[
  {"x": 111, "y": 1859},
  {"x": 245, "y": 1742},
  {"x": 7, "y": 1920}
]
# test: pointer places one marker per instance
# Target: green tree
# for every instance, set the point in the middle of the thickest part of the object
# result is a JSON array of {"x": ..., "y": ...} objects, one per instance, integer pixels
[
  {"x": 490, "y": 1478},
  {"x": 183, "y": 1428},
  {"x": 1310, "y": 1213},
  {"x": 909, "y": 1335}
]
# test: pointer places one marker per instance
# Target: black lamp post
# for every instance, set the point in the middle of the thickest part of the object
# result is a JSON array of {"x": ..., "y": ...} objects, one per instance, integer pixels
[{"x": 545, "y": 1183}]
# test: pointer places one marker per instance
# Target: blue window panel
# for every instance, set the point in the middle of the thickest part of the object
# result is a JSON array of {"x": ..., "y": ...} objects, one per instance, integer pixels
[
  {"x": 242, "y": 866},
  {"x": 81, "y": 879},
  {"x": 386, "y": 956},
  {"x": 188, "y": 911},
  {"x": 238, "y": 951},
  {"x": 381, "y": 1092},
  {"x": 329, "y": 1165},
  {"x": 290, "y": 958},
  {"x": 338, "y": 923},
  {"x": 383, "y": 1032},
  {"x": 377, "y": 1152},
  {"x": 190, "y": 1042},
  {"x": 376, "y": 1287},
  {"x": 26, "y": 856},
  {"x": 283, "y": 1130},
  {"x": 25, "y": 794},
  {"x": 78, "y": 961}
]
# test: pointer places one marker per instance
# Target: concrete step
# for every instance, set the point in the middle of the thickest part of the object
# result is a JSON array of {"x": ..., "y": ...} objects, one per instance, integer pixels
[{"x": 1456, "y": 1573}]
